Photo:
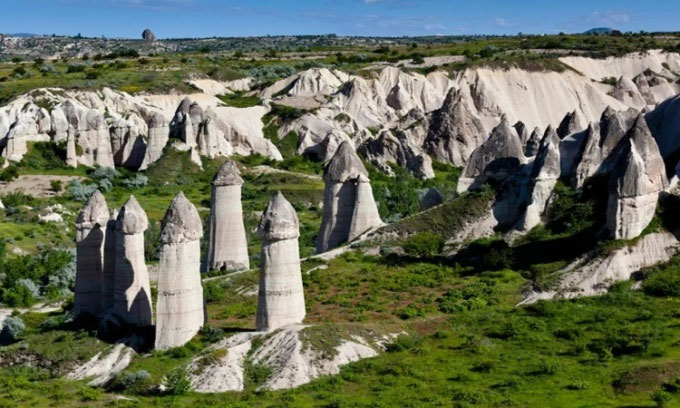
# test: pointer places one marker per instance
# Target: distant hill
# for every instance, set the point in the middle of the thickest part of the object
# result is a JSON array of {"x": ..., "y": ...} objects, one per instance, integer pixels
[
  {"x": 599, "y": 30},
  {"x": 23, "y": 35}
]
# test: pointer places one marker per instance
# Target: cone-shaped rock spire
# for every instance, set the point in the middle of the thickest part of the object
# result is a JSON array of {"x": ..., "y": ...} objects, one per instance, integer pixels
[
  {"x": 90, "y": 235},
  {"x": 638, "y": 177},
  {"x": 132, "y": 293},
  {"x": 281, "y": 298},
  {"x": 346, "y": 213},
  {"x": 179, "y": 309},
  {"x": 227, "y": 244},
  {"x": 109, "y": 274}
]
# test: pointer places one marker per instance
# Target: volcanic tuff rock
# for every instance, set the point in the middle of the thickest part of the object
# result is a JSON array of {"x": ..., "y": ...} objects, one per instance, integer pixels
[
  {"x": 533, "y": 142},
  {"x": 132, "y": 292},
  {"x": 431, "y": 198},
  {"x": 571, "y": 123},
  {"x": 499, "y": 156},
  {"x": 159, "y": 133},
  {"x": 638, "y": 177},
  {"x": 281, "y": 300},
  {"x": 227, "y": 243},
  {"x": 148, "y": 35},
  {"x": 90, "y": 236},
  {"x": 394, "y": 146},
  {"x": 544, "y": 176},
  {"x": 179, "y": 308},
  {"x": 343, "y": 177},
  {"x": 454, "y": 131},
  {"x": 109, "y": 272}
]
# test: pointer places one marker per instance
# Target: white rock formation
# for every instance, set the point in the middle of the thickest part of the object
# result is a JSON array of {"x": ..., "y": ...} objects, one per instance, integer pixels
[
  {"x": 637, "y": 179},
  {"x": 159, "y": 133},
  {"x": 179, "y": 308},
  {"x": 227, "y": 244},
  {"x": 105, "y": 365},
  {"x": 342, "y": 175},
  {"x": 591, "y": 276},
  {"x": 132, "y": 292},
  {"x": 455, "y": 132},
  {"x": 500, "y": 156},
  {"x": 71, "y": 152},
  {"x": 90, "y": 235},
  {"x": 544, "y": 176},
  {"x": 281, "y": 299},
  {"x": 95, "y": 141},
  {"x": 109, "y": 272}
]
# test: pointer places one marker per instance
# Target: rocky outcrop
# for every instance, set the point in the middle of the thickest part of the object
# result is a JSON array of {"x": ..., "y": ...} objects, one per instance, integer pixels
[
  {"x": 182, "y": 126},
  {"x": 211, "y": 140},
  {"x": 280, "y": 300},
  {"x": 455, "y": 132},
  {"x": 593, "y": 275},
  {"x": 179, "y": 308},
  {"x": 498, "y": 157},
  {"x": 90, "y": 237},
  {"x": 394, "y": 146},
  {"x": 227, "y": 243},
  {"x": 571, "y": 123},
  {"x": 127, "y": 145},
  {"x": 132, "y": 292},
  {"x": 148, "y": 35},
  {"x": 71, "y": 152},
  {"x": 533, "y": 142},
  {"x": 664, "y": 122},
  {"x": 60, "y": 125},
  {"x": 342, "y": 177},
  {"x": 159, "y": 133},
  {"x": 637, "y": 179},
  {"x": 544, "y": 176},
  {"x": 94, "y": 139}
]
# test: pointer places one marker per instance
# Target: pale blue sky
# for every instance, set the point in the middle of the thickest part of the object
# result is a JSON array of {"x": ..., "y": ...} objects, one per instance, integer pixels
[{"x": 207, "y": 18}]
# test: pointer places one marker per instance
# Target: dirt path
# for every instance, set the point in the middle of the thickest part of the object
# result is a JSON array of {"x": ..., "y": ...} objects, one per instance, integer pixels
[{"x": 35, "y": 185}]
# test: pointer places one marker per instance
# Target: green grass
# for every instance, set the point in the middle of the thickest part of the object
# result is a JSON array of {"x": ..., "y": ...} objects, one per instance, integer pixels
[{"x": 238, "y": 100}]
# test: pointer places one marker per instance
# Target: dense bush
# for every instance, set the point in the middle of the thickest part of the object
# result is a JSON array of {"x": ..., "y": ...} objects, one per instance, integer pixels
[
  {"x": 79, "y": 191},
  {"x": 177, "y": 382},
  {"x": 12, "y": 328},
  {"x": 9, "y": 174},
  {"x": 424, "y": 244},
  {"x": 664, "y": 281}
]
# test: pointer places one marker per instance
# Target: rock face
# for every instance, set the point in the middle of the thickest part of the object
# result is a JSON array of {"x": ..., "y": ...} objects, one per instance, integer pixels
[
  {"x": 395, "y": 146},
  {"x": 280, "y": 300},
  {"x": 431, "y": 198},
  {"x": 179, "y": 309},
  {"x": 109, "y": 273},
  {"x": 132, "y": 293},
  {"x": 498, "y": 157},
  {"x": 637, "y": 179},
  {"x": 454, "y": 131},
  {"x": 148, "y": 35},
  {"x": 90, "y": 235},
  {"x": 544, "y": 176},
  {"x": 571, "y": 123},
  {"x": 95, "y": 141},
  {"x": 349, "y": 207},
  {"x": 227, "y": 245},
  {"x": 159, "y": 133}
]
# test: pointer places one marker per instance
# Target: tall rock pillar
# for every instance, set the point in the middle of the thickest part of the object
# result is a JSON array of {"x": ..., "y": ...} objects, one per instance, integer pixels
[
  {"x": 227, "y": 244},
  {"x": 90, "y": 234},
  {"x": 179, "y": 308},
  {"x": 132, "y": 292},
  {"x": 281, "y": 299}
]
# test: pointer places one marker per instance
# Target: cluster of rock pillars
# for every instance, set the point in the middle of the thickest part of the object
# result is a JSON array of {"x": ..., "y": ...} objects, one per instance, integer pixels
[{"x": 112, "y": 281}]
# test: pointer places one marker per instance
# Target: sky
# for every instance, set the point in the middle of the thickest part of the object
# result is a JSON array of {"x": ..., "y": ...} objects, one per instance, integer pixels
[{"x": 224, "y": 18}]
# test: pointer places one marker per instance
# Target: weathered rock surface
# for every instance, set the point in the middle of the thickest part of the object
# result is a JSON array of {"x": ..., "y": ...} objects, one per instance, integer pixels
[
  {"x": 498, "y": 157},
  {"x": 159, "y": 133},
  {"x": 179, "y": 308},
  {"x": 571, "y": 123},
  {"x": 455, "y": 132},
  {"x": 544, "y": 175},
  {"x": 90, "y": 237},
  {"x": 395, "y": 146},
  {"x": 148, "y": 35},
  {"x": 109, "y": 272},
  {"x": 94, "y": 139},
  {"x": 342, "y": 176},
  {"x": 637, "y": 179},
  {"x": 281, "y": 299},
  {"x": 132, "y": 292},
  {"x": 227, "y": 245},
  {"x": 431, "y": 198}
]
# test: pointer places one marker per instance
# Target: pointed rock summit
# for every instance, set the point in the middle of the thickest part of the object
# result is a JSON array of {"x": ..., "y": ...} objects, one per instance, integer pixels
[
  {"x": 638, "y": 177},
  {"x": 132, "y": 292},
  {"x": 90, "y": 236},
  {"x": 498, "y": 157},
  {"x": 281, "y": 300},
  {"x": 571, "y": 123},
  {"x": 455, "y": 132},
  {"x": 349, "y": 205},
  {"x": 227, "y": 243},
  {"x": 179, "y": 308}
]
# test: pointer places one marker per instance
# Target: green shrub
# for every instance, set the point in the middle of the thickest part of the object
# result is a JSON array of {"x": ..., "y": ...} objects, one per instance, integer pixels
[
  {"x": 177, "y": 382},
  {"x": 12, "y": 328},
  {"x": 9, "y": 174},
  {"x": 423, "y": 245},
  {"x": 663, "y": 283},
  {"x": 56, "y": 186}
]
